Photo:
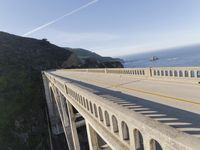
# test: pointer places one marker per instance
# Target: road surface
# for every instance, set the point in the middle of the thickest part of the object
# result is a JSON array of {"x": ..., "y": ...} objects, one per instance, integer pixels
[{"x": 171, "y": 103}]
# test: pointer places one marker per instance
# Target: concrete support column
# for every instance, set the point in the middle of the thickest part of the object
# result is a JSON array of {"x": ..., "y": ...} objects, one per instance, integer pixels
[
  {"x": 146, "y": 141},
  {"x": 61, "y": 104},
  {"x": 53, "y": 115},
  {"x": 120, "y": 130},
  {"x": 48, "y": 95},
  {"x": 73, "y": 126},
  {"x": 132, "y": 140},
  {"x": 92, "y": 137},
  {"x": 64, "y": 110},
  {"x": 57, "y": 119}
]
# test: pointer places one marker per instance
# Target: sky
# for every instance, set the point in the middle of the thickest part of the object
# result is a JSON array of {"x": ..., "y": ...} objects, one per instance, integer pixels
[{"x": 107, "y": 27}]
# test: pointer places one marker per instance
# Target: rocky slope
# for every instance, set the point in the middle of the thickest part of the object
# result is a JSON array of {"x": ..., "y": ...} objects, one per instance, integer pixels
[
  {"x": 22, "y": 118},
  {"x": 22, "y": 123},
  {"x": 90, "y": 59}
]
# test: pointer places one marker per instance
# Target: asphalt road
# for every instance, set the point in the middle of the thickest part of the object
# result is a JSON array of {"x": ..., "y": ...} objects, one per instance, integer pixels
[{"x": 171, "y": 103}]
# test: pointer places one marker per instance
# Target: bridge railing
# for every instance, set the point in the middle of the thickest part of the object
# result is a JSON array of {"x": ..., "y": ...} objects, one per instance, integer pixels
[
  {"x": 177, "y": 72},
  {"x": 191, "y": 74},
  {"x": 133, "y": 130}
]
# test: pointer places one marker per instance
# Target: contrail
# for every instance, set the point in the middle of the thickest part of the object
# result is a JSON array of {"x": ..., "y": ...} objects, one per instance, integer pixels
[{"x": 59, "y": 18}]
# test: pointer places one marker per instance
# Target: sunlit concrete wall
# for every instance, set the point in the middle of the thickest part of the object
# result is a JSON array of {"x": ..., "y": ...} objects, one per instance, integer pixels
[{"x": 121, "y": 128}]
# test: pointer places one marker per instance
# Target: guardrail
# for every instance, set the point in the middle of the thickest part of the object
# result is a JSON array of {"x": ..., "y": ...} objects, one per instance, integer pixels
[
  {"x": 133, "y": 130},
  {"x": 191, "y": 74},
  {"x": 177, "y": 72}
]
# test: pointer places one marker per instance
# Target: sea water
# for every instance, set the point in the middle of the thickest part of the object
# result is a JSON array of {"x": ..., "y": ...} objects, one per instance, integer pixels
[{"x": 176, "y": 57}]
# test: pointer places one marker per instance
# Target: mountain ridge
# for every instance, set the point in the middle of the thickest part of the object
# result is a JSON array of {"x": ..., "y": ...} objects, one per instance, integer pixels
[{"x": 22, "y": 102}]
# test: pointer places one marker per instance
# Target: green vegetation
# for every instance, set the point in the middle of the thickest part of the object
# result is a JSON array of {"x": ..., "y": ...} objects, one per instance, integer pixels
[
  {"x": 86, "y": 54},
  {"x": 22, "y": 102},
  {"x": 22, "y": 119},
  {"x": 88, "y": 59}
]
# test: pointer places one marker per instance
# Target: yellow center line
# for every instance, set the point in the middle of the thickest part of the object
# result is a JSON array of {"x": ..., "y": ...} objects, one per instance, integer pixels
[
  {"x": 145, "y": 92},
  {"x": 163, "y": 96}
]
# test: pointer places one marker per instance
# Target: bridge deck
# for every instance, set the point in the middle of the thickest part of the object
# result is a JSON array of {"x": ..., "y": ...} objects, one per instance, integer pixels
[{"x": 172, "y": 103}]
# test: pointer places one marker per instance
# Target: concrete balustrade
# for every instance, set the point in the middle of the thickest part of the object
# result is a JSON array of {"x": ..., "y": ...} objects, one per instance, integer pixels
[
  {"x": 185, "y": 74},
  {"x": 122, "y": 128}
]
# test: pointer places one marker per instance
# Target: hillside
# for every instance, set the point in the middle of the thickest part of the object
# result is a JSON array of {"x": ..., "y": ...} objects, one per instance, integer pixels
[
  {"x": 22, "y": 123},
  {"x": 22, "y": 118},
  {"x": 85, "y": 54},
  {"x": 90, "y": 59}
]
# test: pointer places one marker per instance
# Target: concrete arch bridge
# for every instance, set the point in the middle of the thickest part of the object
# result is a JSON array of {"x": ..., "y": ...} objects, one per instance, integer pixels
[{"x": 126, "y": 109}]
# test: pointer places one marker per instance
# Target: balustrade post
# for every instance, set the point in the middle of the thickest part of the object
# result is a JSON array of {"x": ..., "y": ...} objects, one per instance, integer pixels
[
  {"x": 146, "y": 141},
  {"x": 132, "y": 140}
]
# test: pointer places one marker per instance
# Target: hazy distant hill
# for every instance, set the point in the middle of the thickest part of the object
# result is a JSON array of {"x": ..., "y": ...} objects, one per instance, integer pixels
[
  {"x": 90, "y": 59},
  {"x": 22, "y": 120},
  {"x": 85, "y": 54}
]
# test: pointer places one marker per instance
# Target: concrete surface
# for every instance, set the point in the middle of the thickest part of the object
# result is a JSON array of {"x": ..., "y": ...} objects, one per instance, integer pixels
[{"x": 171, "y": 103}]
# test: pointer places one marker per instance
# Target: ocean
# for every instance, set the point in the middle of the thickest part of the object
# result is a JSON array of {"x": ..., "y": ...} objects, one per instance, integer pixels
[{"x": 176, "y": 57}]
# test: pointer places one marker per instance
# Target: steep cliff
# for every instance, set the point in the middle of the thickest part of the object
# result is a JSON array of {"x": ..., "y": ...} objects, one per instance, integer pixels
[{"x": 22, "y": 118}]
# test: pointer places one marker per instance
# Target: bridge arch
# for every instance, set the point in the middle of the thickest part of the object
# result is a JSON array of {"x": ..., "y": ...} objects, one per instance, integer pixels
[
  {"x": 192, "y": 74},
  {"x": 175, "y": 73},
  {"x": 154, "y": 145},
  {"x": 180, "y": 73},
  {"x": 84, "y": 102},
  {"x": 154, "y": 72},
  {"x": 76, "y": 97},
  {"x": 95, "y": 110},
  {"x": 125, "y": 131},
  {"x": 87, "y": 105},
  {"x": 162, "y": 73},
  {"x": 198, "y": 74},
  {"x": 186, "y": 73},
  {"x": 115, "y": 124},
  {"x": 100, "y": 114},
  {"x": 158, "y": 72},
  {"x": 171, "y": 73},
  {"x": 107, "y": 119},
  {"x": 166, "y": 73},
  {"x": 139, "y": 145},
  {"x": 91, "y": 108},
  {"x": 143, "y": 72},
  {"x": 79, "y": 99}
]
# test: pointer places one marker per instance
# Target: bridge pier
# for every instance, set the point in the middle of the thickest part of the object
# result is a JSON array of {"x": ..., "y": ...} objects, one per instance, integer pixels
[
  {"x": 72, "y": 119},
  {"x": 66, "y": 123},
  {"x": 56, "y": 125},
  {"x": 58, "y": 113},
  {"x": 109, "y": 124},
  {"x": 92, "y": 137},
  {"x": 62, "y": 109}
]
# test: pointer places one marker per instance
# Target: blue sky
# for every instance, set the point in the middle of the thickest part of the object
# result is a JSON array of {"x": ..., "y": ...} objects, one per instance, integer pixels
[{"x": 108, "y": 27}]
